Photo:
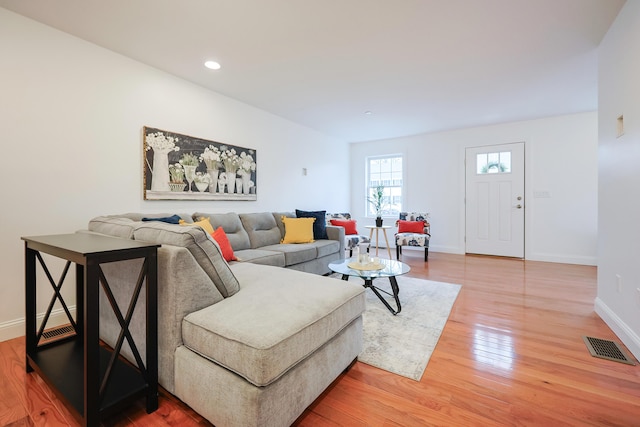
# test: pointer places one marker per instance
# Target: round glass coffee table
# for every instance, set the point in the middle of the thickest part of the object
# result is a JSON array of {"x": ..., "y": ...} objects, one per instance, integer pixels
[{"x": 374, "y": 270}]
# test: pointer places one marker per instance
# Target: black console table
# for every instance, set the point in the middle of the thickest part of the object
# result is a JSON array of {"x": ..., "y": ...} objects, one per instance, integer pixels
[{"x": 90, "y": 378}]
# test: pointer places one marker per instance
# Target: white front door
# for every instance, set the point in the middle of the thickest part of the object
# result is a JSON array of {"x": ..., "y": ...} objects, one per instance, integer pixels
[{"x": 495, "y": 200}]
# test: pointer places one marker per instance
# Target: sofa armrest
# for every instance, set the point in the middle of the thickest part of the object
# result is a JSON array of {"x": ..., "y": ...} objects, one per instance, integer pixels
[{"x": 336, "y": 233}]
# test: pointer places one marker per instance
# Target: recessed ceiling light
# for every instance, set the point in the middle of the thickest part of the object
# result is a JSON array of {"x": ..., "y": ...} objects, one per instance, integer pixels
[
  {"x": 368, "y": 113},
  {"x": 213, "y": 65}
]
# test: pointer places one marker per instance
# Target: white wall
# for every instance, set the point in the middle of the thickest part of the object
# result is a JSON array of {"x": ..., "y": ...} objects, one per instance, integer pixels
[
  {"x": 72, "y": 115},
  {"x": 560, "y": 157},
  {"x": 619, "y": 171}
]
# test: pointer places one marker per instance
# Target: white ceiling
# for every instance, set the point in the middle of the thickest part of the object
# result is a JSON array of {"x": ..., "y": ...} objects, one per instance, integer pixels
[{"x": 418, "y": 65}]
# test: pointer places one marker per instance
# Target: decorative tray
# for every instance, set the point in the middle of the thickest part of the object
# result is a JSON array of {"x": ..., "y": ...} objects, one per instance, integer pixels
[{"x": 368, "y": 266}]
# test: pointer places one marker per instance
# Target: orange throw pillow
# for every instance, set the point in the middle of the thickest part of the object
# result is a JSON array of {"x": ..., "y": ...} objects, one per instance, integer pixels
[
  {"x": 225, "y": 247},
  {"x": 349, "y": 225},
  {"x": 411, "y": 227}
]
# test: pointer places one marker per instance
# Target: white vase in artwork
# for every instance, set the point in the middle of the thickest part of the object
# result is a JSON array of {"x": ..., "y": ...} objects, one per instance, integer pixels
[
  {"x": 246, "y": 183},
  {"x": 202, "y": 186},
  {"x": 160, "y": 172},
  {"x": 221, "y": 184},
  {"x": 213, "y": 173},
  {"x": 190, "y": 174},
  {"x": 231, "y": 182},
  {"x": 239, "y": 185}
]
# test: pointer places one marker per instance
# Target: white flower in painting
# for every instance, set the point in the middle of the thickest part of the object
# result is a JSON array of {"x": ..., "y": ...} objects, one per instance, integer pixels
[
  {"x": 177, "y": 172},
  {"x": 160, "y": 142},
  {"x": 247, "y": 165},
  {"x": 189, "y": 159},
  {"x": 211, "y": 157},
  {"x": 230, "y": 159},
  {"x": 202, "y": 177}
]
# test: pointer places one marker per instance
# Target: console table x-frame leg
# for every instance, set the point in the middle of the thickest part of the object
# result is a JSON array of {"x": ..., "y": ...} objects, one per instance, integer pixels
[{"x": 368, "y": 283}]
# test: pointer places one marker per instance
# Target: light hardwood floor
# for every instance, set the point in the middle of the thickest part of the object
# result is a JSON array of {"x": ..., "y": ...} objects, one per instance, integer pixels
[{"x": 510, "y": 354}]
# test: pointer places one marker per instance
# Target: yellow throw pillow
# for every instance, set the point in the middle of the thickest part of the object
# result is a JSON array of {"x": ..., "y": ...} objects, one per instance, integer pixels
[
  {"x": 297, "y": 230},
  {"x": 203, "y": 223}
]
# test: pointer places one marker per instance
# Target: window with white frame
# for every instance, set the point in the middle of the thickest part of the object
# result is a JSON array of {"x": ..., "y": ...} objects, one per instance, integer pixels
[{"x": 385, "y": 171}]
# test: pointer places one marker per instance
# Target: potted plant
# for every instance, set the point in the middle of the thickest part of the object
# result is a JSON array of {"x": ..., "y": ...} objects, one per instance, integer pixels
[
  {"x": 377, "y": 200},
  {"x": 176, "y": 172}
]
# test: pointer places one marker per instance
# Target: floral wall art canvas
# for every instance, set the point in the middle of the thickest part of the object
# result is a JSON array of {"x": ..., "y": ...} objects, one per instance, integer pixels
[{"x": 181, "y": 167}]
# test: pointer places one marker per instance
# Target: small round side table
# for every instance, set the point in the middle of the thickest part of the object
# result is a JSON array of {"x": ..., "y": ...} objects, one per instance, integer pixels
[{"x": 384, "y": 232}]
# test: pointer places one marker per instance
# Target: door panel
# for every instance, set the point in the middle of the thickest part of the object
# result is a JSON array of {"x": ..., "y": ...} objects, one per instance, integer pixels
[{"x": 495, "y": 200}]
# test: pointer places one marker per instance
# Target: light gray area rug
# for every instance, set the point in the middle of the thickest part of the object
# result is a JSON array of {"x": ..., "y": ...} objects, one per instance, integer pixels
[{"x": 403, "y": 344}]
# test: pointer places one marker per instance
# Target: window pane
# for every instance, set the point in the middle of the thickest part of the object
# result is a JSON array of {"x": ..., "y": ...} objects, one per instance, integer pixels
[
  {"x": 493, "y": 162},
  {"x": 505, "y": 161},
  {"x": 385, "y": 171},
  {"x": 481, "y": 163}
]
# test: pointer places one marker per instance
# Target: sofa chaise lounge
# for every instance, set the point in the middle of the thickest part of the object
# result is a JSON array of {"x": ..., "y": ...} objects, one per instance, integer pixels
[{"x": 243, "y": 344}]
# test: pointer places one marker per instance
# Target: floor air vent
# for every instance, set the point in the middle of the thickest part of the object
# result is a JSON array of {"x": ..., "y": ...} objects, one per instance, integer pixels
[
  {"x": 606, "y": 349},
  {"x": 58, "y": 332}
]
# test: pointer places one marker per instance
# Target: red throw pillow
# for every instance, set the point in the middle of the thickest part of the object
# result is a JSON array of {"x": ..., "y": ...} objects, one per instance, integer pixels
[
  {"x": 221, "y": 238},
  {"x": 349, "y": 225},
  {"x": 411, "y": 227}
]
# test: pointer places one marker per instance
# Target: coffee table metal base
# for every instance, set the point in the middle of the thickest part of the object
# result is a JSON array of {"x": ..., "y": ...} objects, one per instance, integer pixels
[{"x": 368, "y": 283}]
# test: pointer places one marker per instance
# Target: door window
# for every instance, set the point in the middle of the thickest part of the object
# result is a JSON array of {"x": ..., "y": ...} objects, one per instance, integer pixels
[{"x": 499, "y": 162}]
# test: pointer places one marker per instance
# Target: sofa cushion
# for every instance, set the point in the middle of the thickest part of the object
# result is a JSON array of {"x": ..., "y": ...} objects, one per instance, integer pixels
[
  {"x": 278, "y": 318},
  {"x": 326, "y": 247},
  {"x": 113, "y": 226},
  {"x": 303, "y": 252},
  {"x": 232, "y": 226},
  {"x": 261, "y": 228},
  {"x": 260, "y": 256},
  {"x": 199, "y": 243},
  {"x": 277, "y": 216},
  {"x": 294, "y": 253}
]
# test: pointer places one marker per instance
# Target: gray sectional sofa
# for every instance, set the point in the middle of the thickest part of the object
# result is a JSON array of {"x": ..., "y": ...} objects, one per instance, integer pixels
[
  {"x": 245, "y": 343},
  {"x": 255, "y": 238}
]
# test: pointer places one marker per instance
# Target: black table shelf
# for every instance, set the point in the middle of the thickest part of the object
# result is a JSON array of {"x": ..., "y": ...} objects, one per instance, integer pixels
[
  {"x": 62, "y": 366},
  {"x": 75, "y": 367}
]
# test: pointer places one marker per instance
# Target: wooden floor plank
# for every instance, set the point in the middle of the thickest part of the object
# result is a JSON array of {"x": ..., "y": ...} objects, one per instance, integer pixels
[
  {"x": 511, "y": 353},
  {"x": 12, "y": 408}
]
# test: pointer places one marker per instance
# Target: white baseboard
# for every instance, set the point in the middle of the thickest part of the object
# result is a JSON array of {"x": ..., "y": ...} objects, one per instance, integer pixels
[
  {"x": 562, "y": 259},
  {"x": 627, "y": 335},
  {"x": 16, "y": 328}
]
